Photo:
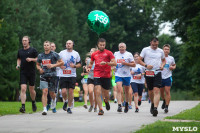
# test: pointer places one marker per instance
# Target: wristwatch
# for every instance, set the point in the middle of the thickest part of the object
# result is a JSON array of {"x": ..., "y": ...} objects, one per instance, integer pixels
[{"x": 145, "y": 65}]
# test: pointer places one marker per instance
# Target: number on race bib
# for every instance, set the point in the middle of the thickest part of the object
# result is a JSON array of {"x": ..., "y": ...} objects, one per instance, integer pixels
[
  {"x": 67, "y": 71},
  {"x": 137, "y": 77},
  {"x": 46, "y": 62},
  {"x": 120, "y": 60},
  {"x": 150, "y": 73}
]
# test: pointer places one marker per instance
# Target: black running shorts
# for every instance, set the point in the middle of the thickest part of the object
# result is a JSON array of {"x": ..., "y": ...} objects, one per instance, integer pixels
[
  {"x": 67, "y": 82},
  {"x": 25, "y": 78},
  {"x": 90, "y": 81},
  {"x": 104, "y": 82},
  {"x": 154, "y": 81}
]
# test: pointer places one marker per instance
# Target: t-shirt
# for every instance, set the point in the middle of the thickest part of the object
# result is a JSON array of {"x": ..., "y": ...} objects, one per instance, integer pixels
[
  {"x": 46, "y": 59},
  {"x": 166, "y": 72},
  {"x": 123, "y": 70},
  {"x": 153, "y": 57},
  {"x": 91, "y": 73},
  {"x": 69, "y": 57},
  {"x": 138, "y": 69},
  {"x": 27, "y": 67},
  {"x": 76, "y": 91},
  {"x": 102, "y": 70}
]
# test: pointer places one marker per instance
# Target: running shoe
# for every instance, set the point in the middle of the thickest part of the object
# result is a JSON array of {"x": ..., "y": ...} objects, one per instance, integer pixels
[
  {"x": 53, "y": 103},
  {"x": 151, "y": 110},
  {"x": 155, "y": 112},
  {"x": 95, "y": 109},
  {"x": 126, "y": 109},
  {"x": 103, "y": 104},
  {"x": 139, "y": 102},
  {"x": 22, "y": 110},
  {"x": 44, "y": 112},
  {"x": 85, "y": 106},
  {"x": 119, "y": 109},
  {"x": 48, "y": 106},
  {"x": 90, "y": 109},
  {"x": 107, "y": 105},
  {"x": 34, "y": 107},
  {"x": 65, "y": 106},
  {"x": 136, "y": 110},
  {"x": 166, "y": 110},
  {"x": 129, "y": 106},
  {"x": 163, "y": 105},
  {"x": 54, "y": 110},
  {"x": 101, "y": 112},
  {"x": 69, "y": 111}
]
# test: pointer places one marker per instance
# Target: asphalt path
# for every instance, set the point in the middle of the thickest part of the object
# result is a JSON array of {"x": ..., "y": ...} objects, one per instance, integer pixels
[{"x": 82, "y": 121}]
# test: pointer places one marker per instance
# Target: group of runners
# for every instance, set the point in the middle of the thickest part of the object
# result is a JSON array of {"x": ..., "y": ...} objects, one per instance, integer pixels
[{"x": 130, "y": 72}]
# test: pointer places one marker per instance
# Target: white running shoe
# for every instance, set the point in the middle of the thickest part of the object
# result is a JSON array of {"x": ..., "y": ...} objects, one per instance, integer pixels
[
  {"x": 53, "y": 103},
  {"x": 44, "y": 112}
]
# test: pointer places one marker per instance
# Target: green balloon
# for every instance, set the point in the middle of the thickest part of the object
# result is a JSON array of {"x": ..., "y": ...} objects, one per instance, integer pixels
[{"x": 98, "y": 21}]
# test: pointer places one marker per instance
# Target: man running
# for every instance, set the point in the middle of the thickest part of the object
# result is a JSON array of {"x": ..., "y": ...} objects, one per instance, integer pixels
[
  {"x": 166, "y": 77},
  {"x": 26, "y": 58},
  {"x": 46, "y": 64},
  {"x": 104, "y": 59},
  {"x": 67, "y": 74},
  {"x": 154, "y": 61},
  {"x": 124, "y": 61}
]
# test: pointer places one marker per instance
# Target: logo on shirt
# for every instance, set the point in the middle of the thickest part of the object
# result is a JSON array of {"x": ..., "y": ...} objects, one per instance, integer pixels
[{"x": 71, "y": 60}]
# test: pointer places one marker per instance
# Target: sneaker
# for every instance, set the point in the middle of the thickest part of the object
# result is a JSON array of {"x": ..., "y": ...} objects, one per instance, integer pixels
[
  {"x": 115, "y": 101},
  {"x": 90, "y": 109},
  {"x": 155, "y": 112},
  {"x": 48, "y": 106},
  {"x": 103, "y": 104},
  {"x": 53, "y": 103},
  {"x": 151, "y": 110},
  {"x": 119, "y": 109},
  {"x": 34, "y": 107},
  {"x": 166, "y": 110},
  {"x": 107, "y": 105},
  {"x": 126, "y": 109},
  {"x": 136, "y": 110},
  {"x": 65, "y": 106},
  {"x": 69, "y": 111},
  {"x": 22, "y": 110},
  {"x": 95, "y": 109},
  {"x": 163, "y": 105},
  {"x": 139, "y": 103},
  {"x": 85, "y": 106},
  {"x": 54, "y": 110},
  {"x": 129, "y": 106},
  {"x": 101, "y": 112},
  {"x": 44, "y": 112}
]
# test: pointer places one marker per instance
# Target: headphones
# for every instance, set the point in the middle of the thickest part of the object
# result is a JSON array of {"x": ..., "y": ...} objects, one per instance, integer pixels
[
  {"x": 73, "y": 43},
  {"x": 29, "y": 40}
]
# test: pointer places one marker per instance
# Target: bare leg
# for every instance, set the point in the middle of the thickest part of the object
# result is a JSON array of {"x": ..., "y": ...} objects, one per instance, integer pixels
[
  {"x": 70, "y": 96},
  {"x": 126, "y": 89},
  {"x": 130, "y": 95},
  {"x": 162, "y": 93},
  {"x": 98, "y": 96},
  {"x": 156, "y": 92},
  {"x": 44, "y": 97},
  {"x": 115, "y": 92},
  {"x": 32, "y": 92},
  {"x": 136, "y": 99},
  {"x": 23, "y": 93},
  {"x": 64, "y": 94},
  {"x": 119, "y": 91},
  {"x": 168, "y": 96},
  {"x": 91, "y": 88},
  {"x": 85, "y": 88}
]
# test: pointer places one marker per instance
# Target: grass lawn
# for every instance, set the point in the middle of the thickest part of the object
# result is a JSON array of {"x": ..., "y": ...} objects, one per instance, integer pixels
[
  {"x": 167, "y": 127},
  {"x": 13, "y": 107},
  {"x": 189, "y": 114}
]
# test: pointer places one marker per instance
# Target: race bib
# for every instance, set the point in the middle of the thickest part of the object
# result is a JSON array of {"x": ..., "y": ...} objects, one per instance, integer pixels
[
  {"x": 120, "y": 60},
  {"x": 150, "y": 73},
  {"x": 137, "y": 78},
  {"x": 67, "y": 71},
  {"x": 45, "y": 62}
]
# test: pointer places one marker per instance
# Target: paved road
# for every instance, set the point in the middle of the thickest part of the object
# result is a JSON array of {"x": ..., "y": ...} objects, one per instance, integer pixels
[{"x": 83, "y": 121}]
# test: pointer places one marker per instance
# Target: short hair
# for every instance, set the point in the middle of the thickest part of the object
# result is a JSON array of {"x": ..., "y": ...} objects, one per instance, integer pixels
[
  {"x": 155, "y": 39},
  {"x": 101, "y": 40},
  {"x": 47, "y": 42},
  {"x": 136, "y": 53},
  {"x": 122, "y": 43},
  {"x": 166, "y": 45},
  {"x": 28, "y": 38}
]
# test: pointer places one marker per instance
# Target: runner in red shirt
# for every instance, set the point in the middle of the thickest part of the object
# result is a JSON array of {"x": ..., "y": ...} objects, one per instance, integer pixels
[{"x": 103, "y": 59}]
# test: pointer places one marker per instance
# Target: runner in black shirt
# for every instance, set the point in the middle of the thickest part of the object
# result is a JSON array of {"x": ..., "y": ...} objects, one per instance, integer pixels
[{"x": 26, "y": 58}]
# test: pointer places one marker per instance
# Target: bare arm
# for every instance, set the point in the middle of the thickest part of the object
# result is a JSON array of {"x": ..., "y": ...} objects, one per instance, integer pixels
[
  {"x": 131, "y": 64},
  {"x": 143, "y": 64},
  {"x": 163, "y": 64},
  {"x": 39, "y": 68},
  {"x": 112, "y": 62},
  {"x": 172, "y": 67},
  {"x": 18, "y": 63},
  {"x": 31, "y": 59}
]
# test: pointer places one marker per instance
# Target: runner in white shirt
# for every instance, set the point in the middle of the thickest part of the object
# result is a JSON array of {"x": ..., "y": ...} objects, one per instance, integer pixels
[
  {"x": 67, "y": 73},
  {"x": 137, "y": 81},
  {"x": 124, "y": 61},
  {"x": 166, "y": 77},
  {"x": 154, "y": 61}
]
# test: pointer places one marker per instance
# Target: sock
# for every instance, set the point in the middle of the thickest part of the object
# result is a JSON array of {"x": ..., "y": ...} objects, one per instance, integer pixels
[
  {"x": 66, "y": 101},
  {"x": 45, "y": 108},
  {"x": 23, "y": 106},
  {"x": 155, "y": 108},
  {"x": 166, "y": 106},
  {"x": 152, "y": 105},
  {"x": 33, "y": 102},
  {"x": 119, "y": 105}
]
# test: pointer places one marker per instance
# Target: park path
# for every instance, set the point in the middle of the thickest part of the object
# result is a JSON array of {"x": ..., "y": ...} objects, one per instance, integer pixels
[{"x": 81, "y": 121}]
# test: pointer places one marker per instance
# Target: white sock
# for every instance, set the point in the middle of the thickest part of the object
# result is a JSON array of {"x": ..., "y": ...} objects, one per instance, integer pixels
[
  {"x": 45, "y": 109},
  {"x": 66, "y": 101}
]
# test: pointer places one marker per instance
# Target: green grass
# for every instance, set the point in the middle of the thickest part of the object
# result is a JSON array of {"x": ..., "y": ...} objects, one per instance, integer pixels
[
  {"x": 189, "y": 114},
  {"x": 167, "y": 127},
  {"x": 13, "y": 107}
]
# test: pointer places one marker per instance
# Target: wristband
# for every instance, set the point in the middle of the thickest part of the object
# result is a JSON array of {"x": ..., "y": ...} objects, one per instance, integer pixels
[
  {"x": 74, "y": 66},
  {"x": 145, "y": 65}
]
